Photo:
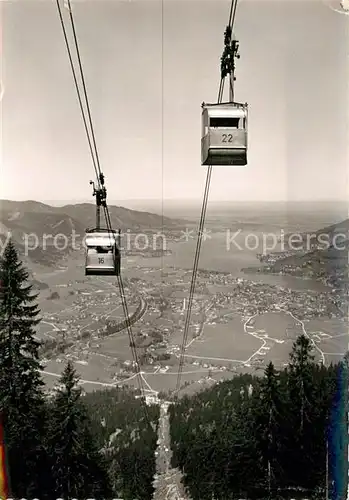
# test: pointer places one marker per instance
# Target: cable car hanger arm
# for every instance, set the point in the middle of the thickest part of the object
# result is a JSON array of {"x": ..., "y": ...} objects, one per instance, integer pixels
[
  {"x": 227, "y": 67},
  {"x": 236, "y": 104},
  {"x": 100, "y": 193}
]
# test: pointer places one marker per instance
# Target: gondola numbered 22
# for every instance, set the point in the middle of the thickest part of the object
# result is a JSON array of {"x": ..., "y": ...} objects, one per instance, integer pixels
[{"x": 224, "y": 134}]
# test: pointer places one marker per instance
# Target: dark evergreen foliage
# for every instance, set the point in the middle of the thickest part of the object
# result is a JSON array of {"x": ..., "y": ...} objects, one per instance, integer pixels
[
  {"x": 21, "y": 396},
  {"x": 58, "y": 447},
  {"x": 249, "y": 437},
  {"x": 338, "y": 436},
  {"x": 77, "y": 468},
  {"x": 272, "y": 443},
  {"x": 122, "y": 431}
]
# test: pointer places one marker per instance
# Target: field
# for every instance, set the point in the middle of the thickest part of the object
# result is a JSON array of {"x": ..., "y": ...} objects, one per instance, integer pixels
[
  {"x": 278, "y": 326},
  {"x": 225, "y": 344}
]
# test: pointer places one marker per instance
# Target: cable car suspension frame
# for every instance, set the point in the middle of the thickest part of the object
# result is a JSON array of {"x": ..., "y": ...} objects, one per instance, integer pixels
[
  {"x": 230, "y": 53},
  {"x": 100, "y": 192}
]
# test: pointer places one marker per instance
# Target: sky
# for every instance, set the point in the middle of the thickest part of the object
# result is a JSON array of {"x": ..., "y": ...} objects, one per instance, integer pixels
[{"x": 148, "y": 67}]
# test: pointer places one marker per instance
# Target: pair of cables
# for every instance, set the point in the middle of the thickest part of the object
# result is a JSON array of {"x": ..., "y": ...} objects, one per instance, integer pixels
[{"x": 88, "y": 125}]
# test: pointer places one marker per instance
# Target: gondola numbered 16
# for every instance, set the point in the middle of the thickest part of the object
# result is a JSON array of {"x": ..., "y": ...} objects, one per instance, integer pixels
[
  {"x": 224, "y": 134},
  {"x": 102, "y": 252}
]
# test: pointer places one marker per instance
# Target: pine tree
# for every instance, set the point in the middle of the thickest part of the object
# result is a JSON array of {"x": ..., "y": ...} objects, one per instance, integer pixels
[
  {"x": 338, "y": 433},
  {"x": 19, "y": 350},
  {"x": 21, "y": 396},
  {"x": 300, "y": 376},
  {"x": 268, "y": 427},
  {"x": 78, "y": 469},
  {"x": 302, "y": 403}
]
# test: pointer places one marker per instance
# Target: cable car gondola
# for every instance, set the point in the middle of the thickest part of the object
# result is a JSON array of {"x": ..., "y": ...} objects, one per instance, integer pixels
[
  {"x": 224, "y": 134},
  {"x": 102, "y": 252}
]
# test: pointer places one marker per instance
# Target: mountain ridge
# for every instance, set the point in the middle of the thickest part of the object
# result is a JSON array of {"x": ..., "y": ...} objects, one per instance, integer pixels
[
  {"x": 324, "y": 259},
  {"x": 36, "y": 224},
  {"x": 330, "y": 231}
]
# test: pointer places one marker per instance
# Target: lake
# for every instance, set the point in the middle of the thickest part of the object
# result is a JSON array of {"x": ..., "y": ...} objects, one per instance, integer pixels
[{"x": 218, "y": 253}]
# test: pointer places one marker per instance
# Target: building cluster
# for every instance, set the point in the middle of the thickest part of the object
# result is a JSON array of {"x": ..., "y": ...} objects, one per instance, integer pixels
[{"x": 158, "y": 312}]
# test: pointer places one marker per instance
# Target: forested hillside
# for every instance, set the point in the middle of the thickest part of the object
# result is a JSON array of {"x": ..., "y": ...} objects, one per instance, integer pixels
[
  {"x": 281, "y": 436},
  {"x": 64, "y": 444},
  {"x": 266, "y": 438},
  {"x": 120, "y": 426}
]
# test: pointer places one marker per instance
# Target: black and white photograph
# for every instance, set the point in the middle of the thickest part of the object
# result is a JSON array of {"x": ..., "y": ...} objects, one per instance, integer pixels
[{"x": 174, "y": 236}]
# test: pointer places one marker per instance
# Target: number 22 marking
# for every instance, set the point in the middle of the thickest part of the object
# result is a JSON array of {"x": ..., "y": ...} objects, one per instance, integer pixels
[{"x": 227, "y": 138}]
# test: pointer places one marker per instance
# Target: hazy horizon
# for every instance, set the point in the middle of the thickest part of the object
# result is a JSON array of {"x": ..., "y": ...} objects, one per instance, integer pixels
[
  {"x": 324, "y": 212},
  {"x": 196, "y": 200}
]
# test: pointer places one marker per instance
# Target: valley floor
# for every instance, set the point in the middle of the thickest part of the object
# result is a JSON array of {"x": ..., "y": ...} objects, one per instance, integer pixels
[{"x": 237, "y": 326}]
